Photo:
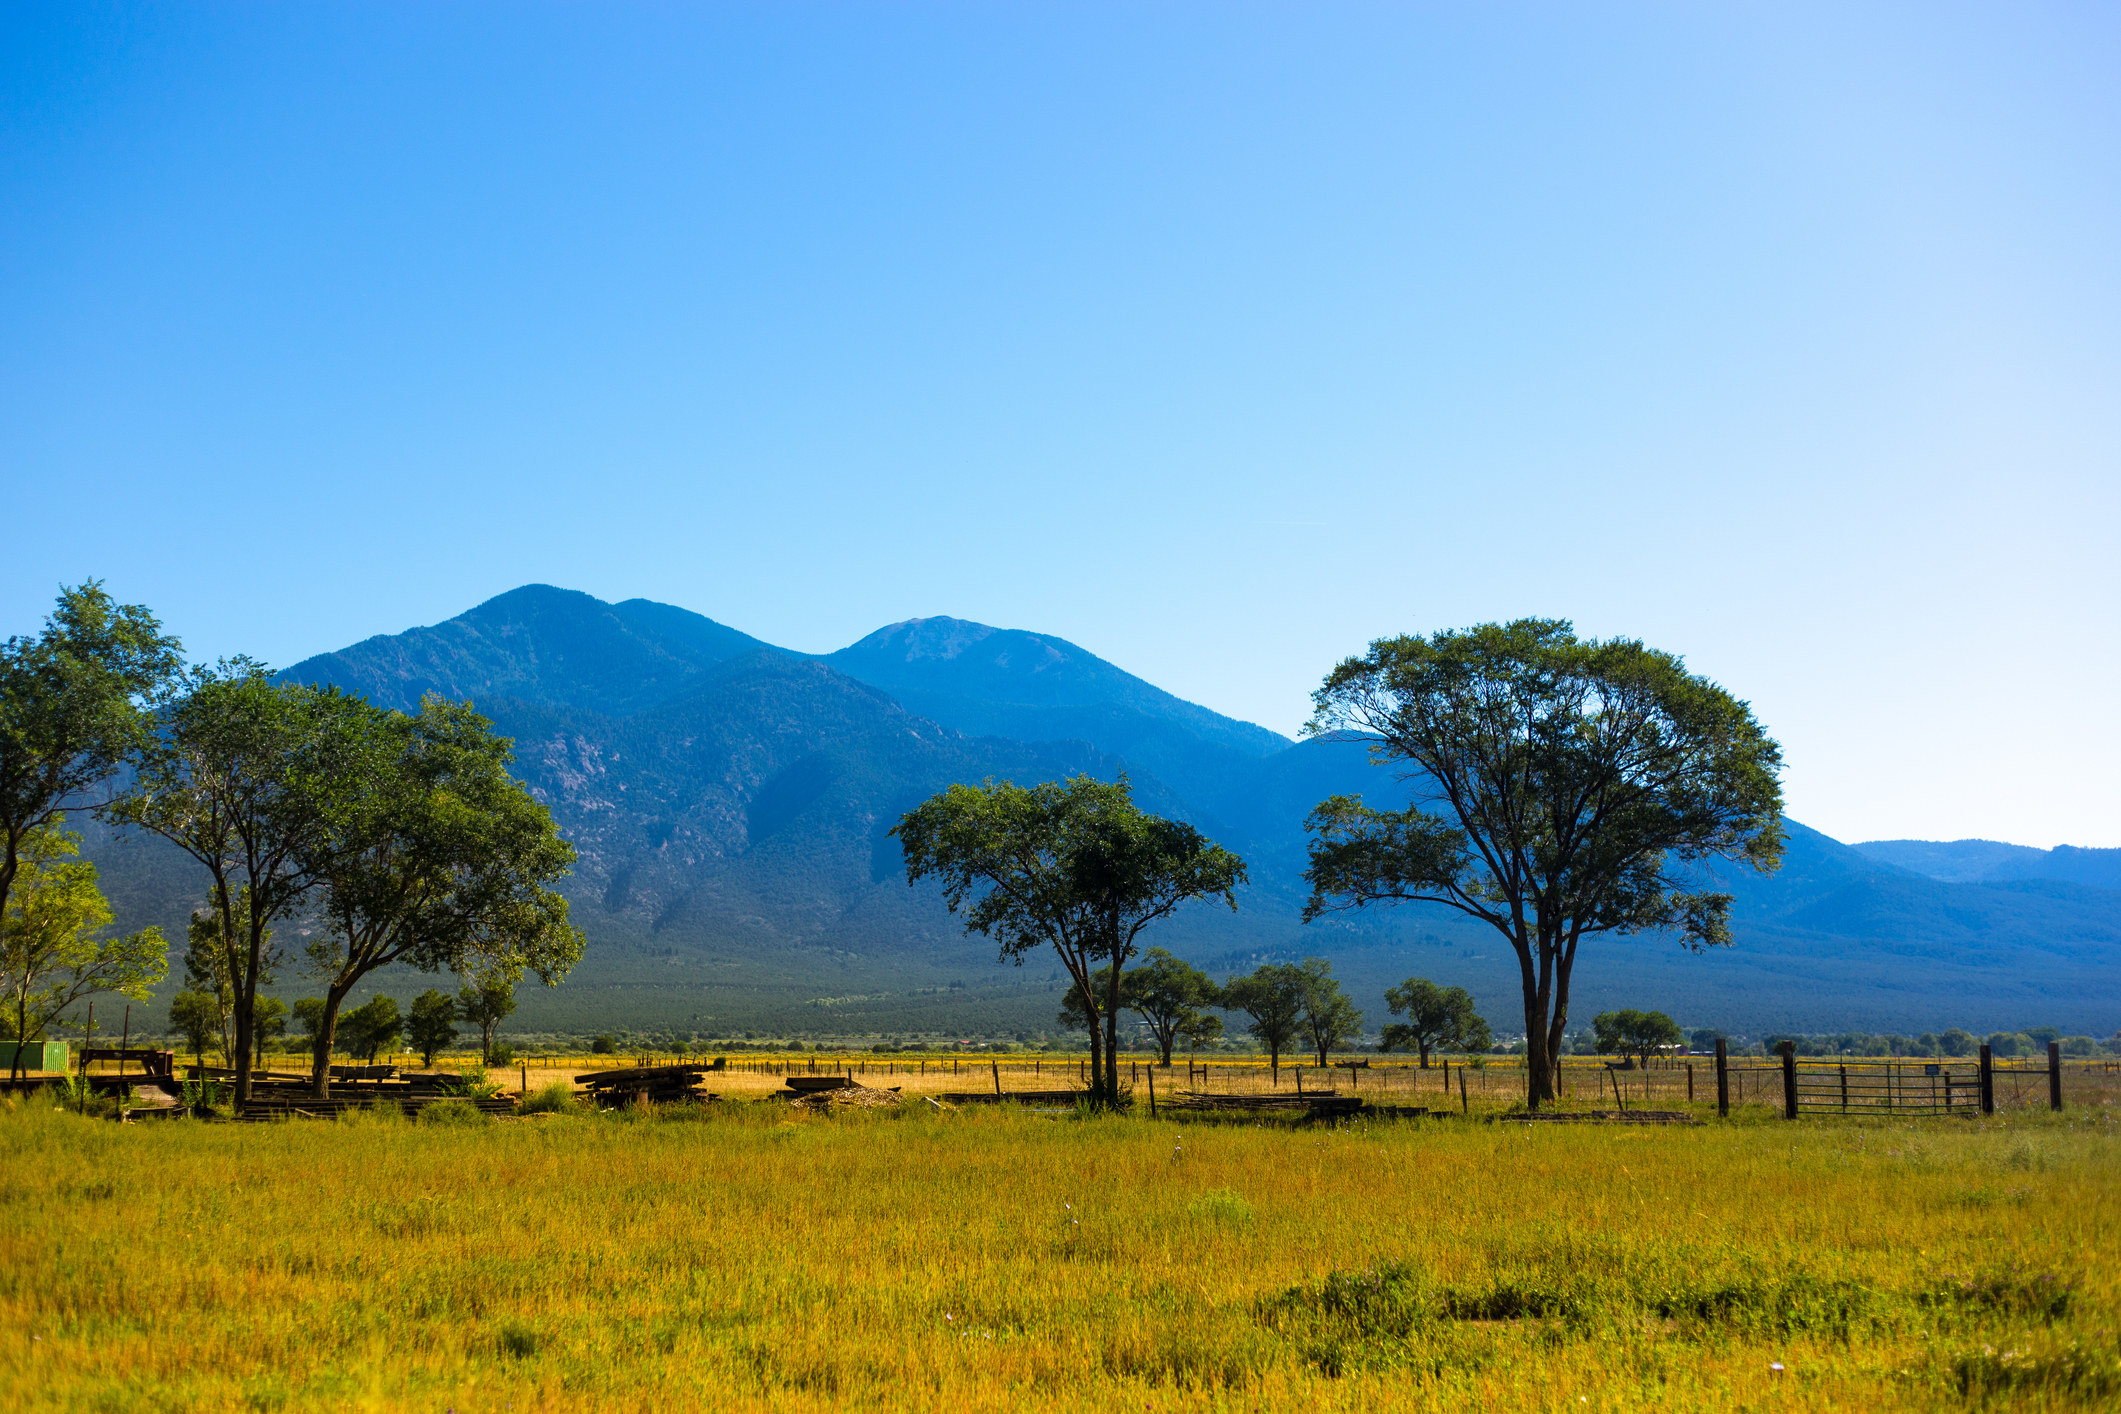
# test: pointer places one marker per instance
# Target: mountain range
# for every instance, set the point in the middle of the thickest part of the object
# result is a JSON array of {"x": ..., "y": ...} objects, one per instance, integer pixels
[{"x": 731, "y": 802}]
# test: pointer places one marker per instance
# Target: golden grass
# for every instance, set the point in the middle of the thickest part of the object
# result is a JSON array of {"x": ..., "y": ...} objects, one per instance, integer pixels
[{"x": 740, "y": 1258}]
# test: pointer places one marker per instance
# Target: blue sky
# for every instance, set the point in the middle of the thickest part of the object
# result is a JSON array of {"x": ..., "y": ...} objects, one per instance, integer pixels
[{"x": 1218, "y": 339}]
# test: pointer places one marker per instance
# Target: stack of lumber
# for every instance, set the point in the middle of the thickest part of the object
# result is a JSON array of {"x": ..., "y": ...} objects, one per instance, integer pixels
[
  {"x": 656, "y": 1084},
  {"x": 1316, "y": 1104},
  {"x": 411, "y": 1093}
]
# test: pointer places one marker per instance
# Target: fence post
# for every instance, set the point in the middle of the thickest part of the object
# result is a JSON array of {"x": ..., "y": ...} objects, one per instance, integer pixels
[
  {"x": 1988, "y": 1082},
  {"x": 1690, "y": 1082},
  {"x": 1789, "y": 1079},
  {"x": 1844, "y": 1089},
  {"x": 1723, "y": 1080},
  {"x": 1464, "y": 1105},
  {"x": 2054, "y": 1075},
  {"x": 997, "y": 1078},
  {"x": 1152, "y": 1092}
]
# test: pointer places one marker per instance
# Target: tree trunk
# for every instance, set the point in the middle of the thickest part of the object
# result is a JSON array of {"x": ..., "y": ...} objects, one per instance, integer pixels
[
  {"x": 1423, "y": 1047},
  {"x": 327, "y": 1032}
]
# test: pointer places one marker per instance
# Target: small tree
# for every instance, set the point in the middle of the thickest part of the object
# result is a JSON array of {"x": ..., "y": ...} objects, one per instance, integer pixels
[
  {"x": 432, "y": 1025},
  {"x": 1273, "y": 996},
  {"x": 197, "y": 1018},
  {"x": 1074, "y": 865},
  {"x": 1167, "y": 994},
  {"x": 1955, "y": 1042},
  {"x": 268, "y": 1024},
  {"x": 1637, "y": 1033},
  {"x": 1578, "y": 788},
  {"x": 1329, "y": 1017},
  {"x": 1437, "y": 1018},
  {"x": 54, "y": 948},
  {"x": 486, "y": 1003},
  {"x": 369, "y": 1029}
]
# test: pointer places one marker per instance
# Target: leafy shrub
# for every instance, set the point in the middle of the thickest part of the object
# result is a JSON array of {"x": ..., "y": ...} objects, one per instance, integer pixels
[
  {"x": 554, "y": 1099},
  {"x": 1221, "y": 1206},
  {"x": 454, "y": 1111},
  {"x": 2011, "y": 1288},
  {"x": 503, "y": 1054},
  {"x": 473, "y": 1083},
  {"x": 604, "y": 1046},
  {"x": 2085, "y": 1373}
]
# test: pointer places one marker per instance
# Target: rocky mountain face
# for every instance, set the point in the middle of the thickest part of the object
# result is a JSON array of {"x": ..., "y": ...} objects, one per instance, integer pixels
[{"x": 732, "y": 801}]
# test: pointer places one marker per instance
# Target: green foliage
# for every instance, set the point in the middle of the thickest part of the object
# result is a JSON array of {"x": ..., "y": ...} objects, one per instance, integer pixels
[
  {"x": 1275, "y": 997},
  {"x": 486, "y": 1003},
  {"x": 604, "y": 1046},
  {"x": 1074, "y": 865},
  {"x": 197, "y": 1018},
  {"x": 453, "y": 1112},
  {"x": 1955, "y": 1042},
  {"x": 55, "y": 949},
  {"x": 1580, "y": 780},
  {"x": 1436, "y": 1018},
  {"x": 242, "y": 775},
  {"x": 554, "y": 1099},
  {"x": 368, "y": 1030},
  {"x": 70, "y": 711},
  {"x": 1169, "y": 995},
  {"x": 1329, "y": 1018},
  {"x": 432, "y": 1025},
  {"x": 433, "y": 856},
  {"x": 1635, "y": 1033}
]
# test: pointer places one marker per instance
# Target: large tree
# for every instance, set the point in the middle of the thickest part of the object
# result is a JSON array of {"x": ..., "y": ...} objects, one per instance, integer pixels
[
  {"x": 243, "y": 775},
  {"x": 71, "y": 710},
  {"x": 435, "y": 858},
  {"x": 1074, "y": 865},
  {"x": 1563, "y": 788},
  {"x": 55, "y": 944},
  {"x": 1436, "y": 1017}
]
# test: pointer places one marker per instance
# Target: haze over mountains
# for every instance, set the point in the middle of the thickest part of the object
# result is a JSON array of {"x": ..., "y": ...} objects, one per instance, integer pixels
[{"x": 731, "y": 802}]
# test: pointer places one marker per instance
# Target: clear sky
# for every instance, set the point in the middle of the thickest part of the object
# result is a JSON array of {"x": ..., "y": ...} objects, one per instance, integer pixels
[{"x": 1218, "y": 338}]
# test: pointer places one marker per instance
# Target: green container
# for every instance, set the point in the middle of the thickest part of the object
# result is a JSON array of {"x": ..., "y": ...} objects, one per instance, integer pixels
[{"x": 37, "y": 1055}]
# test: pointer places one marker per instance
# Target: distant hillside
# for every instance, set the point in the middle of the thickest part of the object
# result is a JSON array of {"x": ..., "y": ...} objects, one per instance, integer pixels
[
  {"x": 732, "y": 804},
  {"x": 1988, "y": 861},
  {"x": 558, "y": 647}
]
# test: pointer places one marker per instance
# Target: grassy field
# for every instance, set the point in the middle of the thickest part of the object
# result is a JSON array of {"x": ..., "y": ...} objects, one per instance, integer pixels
[{"x": 737, "y": 1257}]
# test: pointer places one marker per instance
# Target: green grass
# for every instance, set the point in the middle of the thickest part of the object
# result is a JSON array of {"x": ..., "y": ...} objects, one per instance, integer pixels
[{"x": 738, "y": 1258}]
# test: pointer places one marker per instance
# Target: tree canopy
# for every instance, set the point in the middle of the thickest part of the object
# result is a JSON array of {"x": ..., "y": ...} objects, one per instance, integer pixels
[
  {"x": 1329, "y": 1018},
  {"x": 1635, "y": 1033},
  {"x": 1073, "y": 865},
  {"x": 55, "y": 947},
  {"x": 1274, "y": 995},
  {"x": 71, "y": 710},
  {"x": 1563, "y": 788},
  {"x": 1437, "y": 1018},
  {"x": 1170, "y": 995},
  {"x": 431, "y": 856}
]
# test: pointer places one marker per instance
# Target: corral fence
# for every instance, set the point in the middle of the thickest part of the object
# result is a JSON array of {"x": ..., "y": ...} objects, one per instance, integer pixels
[{"x": 1891, "y": 1087}]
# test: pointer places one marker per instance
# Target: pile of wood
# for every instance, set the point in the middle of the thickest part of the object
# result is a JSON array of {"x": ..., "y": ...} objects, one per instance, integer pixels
[
  {"x": 1313, "y": 1104},
  {"x": 654, "y": 1084},
  {"x": 291, "y": 1097},
  {"x": 1599, "y": 1117}
]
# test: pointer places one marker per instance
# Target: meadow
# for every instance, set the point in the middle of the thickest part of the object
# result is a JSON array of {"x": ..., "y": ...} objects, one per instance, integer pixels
[{"x": 738, "y": 1256}]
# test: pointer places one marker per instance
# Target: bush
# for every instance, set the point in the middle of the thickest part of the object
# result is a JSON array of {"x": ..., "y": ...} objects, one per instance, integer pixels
[
  {"x": 502, "y": 1055},
  {"x": 554, "y": 1099},
  {"x": 604, "y": 1046},
  {"x": 454, "y": 1111}
]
